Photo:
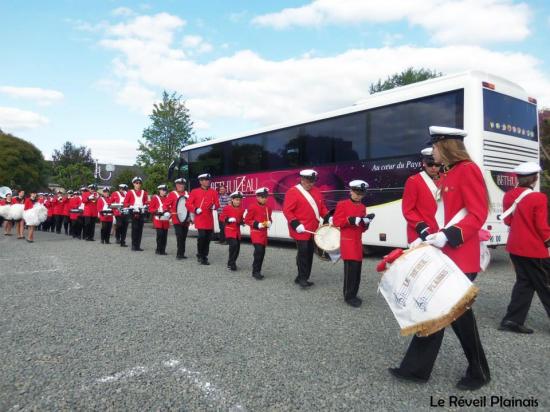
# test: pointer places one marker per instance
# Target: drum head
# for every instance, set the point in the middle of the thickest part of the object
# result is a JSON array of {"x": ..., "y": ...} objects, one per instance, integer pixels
[
  {"x": 328, "y": 238},
  {"x": 181, "y": 209}
]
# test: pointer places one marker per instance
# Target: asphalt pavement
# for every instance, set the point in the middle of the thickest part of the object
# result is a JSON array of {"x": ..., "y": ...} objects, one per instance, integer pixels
[{"x": 86, "y": 326}]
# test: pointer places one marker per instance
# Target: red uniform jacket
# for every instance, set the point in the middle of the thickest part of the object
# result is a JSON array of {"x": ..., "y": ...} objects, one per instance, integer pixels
[
  {"x": 419, "y": 207},
  {"x": 255, "y": 214},
  {"x": 75, "y": 203},
  {"x": 58, "y": 205},
  {"x": 29, "y": 204},
  {"x": 50, "y": 206},
  {"x": 351, "y": 246},
  {"x": 103, "y": 203},
  {"x": 66, "y": 206},
  {"x": 133, "y": 196},
  {"x": 529, "y": 230},
  {"x": 463, "y": 187},
  {"x": 90, "y": 204},
  {"x": 117, "y": 197},
  {"x": 297, "y": 210},
  {"x": 207, "y": 201},
  {"x": 233, "y": 230},
  {"x": 158, "y": 204},
  {"x": 171, "y": 204}
]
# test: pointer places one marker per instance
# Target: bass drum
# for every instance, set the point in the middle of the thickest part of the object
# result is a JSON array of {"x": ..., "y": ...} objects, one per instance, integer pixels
[{"x": 181, "y": 209}]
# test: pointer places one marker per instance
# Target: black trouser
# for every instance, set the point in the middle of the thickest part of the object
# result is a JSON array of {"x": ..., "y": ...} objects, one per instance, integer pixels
[
  {"x": 222, "y": 231},
  {"x": 304, "y": 258},
  {"x": 137, "y": 230},
  {"x": 66, "y": 224},
  {"x": 106, "y": 231},
  {"x": 234, "y": 249},
  {"x": 181, "y": 230},
  {"x": 162, "y": 240},
  {"x": 532, "y": 275},
  {"x": 352, "y": 278},
  {"x": 422, "y": 352},
  {"x": 77, "y": 227},
  {"x": 259, "y": 253},
  {"x": 58, "y": 223},
  {"x": 49, "y": 224},
  {"x": 89, "y": 227},
  {"x": 203, "y": 243},
  {"x": 121, "y": 229}
]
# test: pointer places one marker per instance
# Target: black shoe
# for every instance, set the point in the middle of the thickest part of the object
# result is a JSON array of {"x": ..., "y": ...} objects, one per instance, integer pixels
[
  {"x": 304, "y": 283},
  {"x": 510, "y": 326},
  {"x": 181, "y": 257},
  {"x": 296, "y": 280},
  {"x": 102, "y": 242},
  {"x": 107, "y": 242},
  {"x": 471, "y": 384},
  {"x": 405, "y": 376},
  {"x": 354, "y": 302},
  {"x": 138, "y": 249},
  {"x": 257, "y": 276},
  {"x": 232, "y": 267},
  {"x": 157, "y": 252},
  {"x": 30, "y": 241},
  {"x": 205, "y": 262},
  {"x": 117, "y": 241},
  {"x": 163, "y": 253},
  {"x": 123, "y": 244}
]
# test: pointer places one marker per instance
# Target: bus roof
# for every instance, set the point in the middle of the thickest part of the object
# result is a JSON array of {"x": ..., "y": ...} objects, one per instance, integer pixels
[{"x": 408, "y": 92}]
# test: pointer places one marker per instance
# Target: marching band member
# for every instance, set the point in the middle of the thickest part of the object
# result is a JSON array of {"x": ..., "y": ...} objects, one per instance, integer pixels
[
  {"x": 528, "y": 243},
  {"x": 9, "y": 223},
  {"x": 161, "y": 218},
  {"x": 180, "y": 228},
  {"x": 137, "y": 200},
  {"x": 303, "y": 209},
  {"x": 419, "y": 204},
  {"x": 29, "y": 204},
  {"x": 232, "y": 216},
  {"x": 462, "y": 187},
  {"x": 258, "y": 217},
  {"x": 66, "y": 212},
  {"x": 58, "y": 206},
  {"x": 105, "y": 215},
  {"x": 19, "y": 223},
  {"x": 202, "y": 201},
  {"x": 89, "y": 199},
  {"x": 224, "y": 200},
  {"x": 352, "y": 219},
  {"x": 49, "y": 224},
  {"x": 76, "y": 217},
  {"x": 121, "y": 220}
]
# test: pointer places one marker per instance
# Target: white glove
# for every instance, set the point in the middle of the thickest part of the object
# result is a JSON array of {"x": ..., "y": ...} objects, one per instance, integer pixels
[
  {"x": 231, "y": 220},
  {"x": 357, "y": 221},
  {"x": 260, "y": 226},
  {"x": 438, "y": 239},
  {"x": 366, "y": 220},
  {"x": 213, "y": 207},
  {"x": 167, "y": 214},
  {"x": 330, "y": 219},
  {"x": 300, "y": 229},
  {"x": 198, "y": 211},
  {"x": 415, "y": 243}
]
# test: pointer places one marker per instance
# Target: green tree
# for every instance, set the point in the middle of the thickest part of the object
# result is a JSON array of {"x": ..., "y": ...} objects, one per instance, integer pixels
[
  {"x": 171, "y": 128},
  {"x": 411, "y": 75},
  {"x": 71, "y": 154},
  {"x": 73, "y": 176},
  {"x": 125, "y": 177},
  {"x": 22, "y": 164}
]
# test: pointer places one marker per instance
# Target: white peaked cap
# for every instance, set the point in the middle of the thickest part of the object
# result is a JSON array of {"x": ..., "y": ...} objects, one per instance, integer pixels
[
  {"x": 236, "y": 194},
  {"x": 262, "y": 190},
  {"x": 428, "y": 151},
  {"x": 308, "y": 173},
  {"x": 205, "y": 176},
  {"x": 527, "y": 168},
  {"x": 136, "y": 179},
  {"x": 358, "y": 185},
  {"x": 447, "y": 131}
]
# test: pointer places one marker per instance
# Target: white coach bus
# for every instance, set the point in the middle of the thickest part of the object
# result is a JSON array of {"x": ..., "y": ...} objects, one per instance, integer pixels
[{"x": 379, "y": 140}]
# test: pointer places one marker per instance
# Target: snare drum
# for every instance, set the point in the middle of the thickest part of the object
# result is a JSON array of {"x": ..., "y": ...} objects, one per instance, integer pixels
[
  {"x": 327, "y": 240},
  {"x": 425, "y": 289}
]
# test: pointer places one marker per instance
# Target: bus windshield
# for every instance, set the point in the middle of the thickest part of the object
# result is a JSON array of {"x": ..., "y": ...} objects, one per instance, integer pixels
[{"x": 510, "y": 116}]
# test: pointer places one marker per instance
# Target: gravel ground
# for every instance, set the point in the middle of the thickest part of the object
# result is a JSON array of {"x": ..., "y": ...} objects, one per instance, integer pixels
[{"x": 85, "y": 326}]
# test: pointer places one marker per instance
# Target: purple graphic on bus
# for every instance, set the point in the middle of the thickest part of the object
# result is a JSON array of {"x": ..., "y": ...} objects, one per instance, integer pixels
[{"x": 386, "y": 179}]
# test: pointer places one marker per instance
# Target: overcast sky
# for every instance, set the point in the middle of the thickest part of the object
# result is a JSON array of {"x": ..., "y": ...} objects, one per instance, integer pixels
[{"x": 89, "y": 72}]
